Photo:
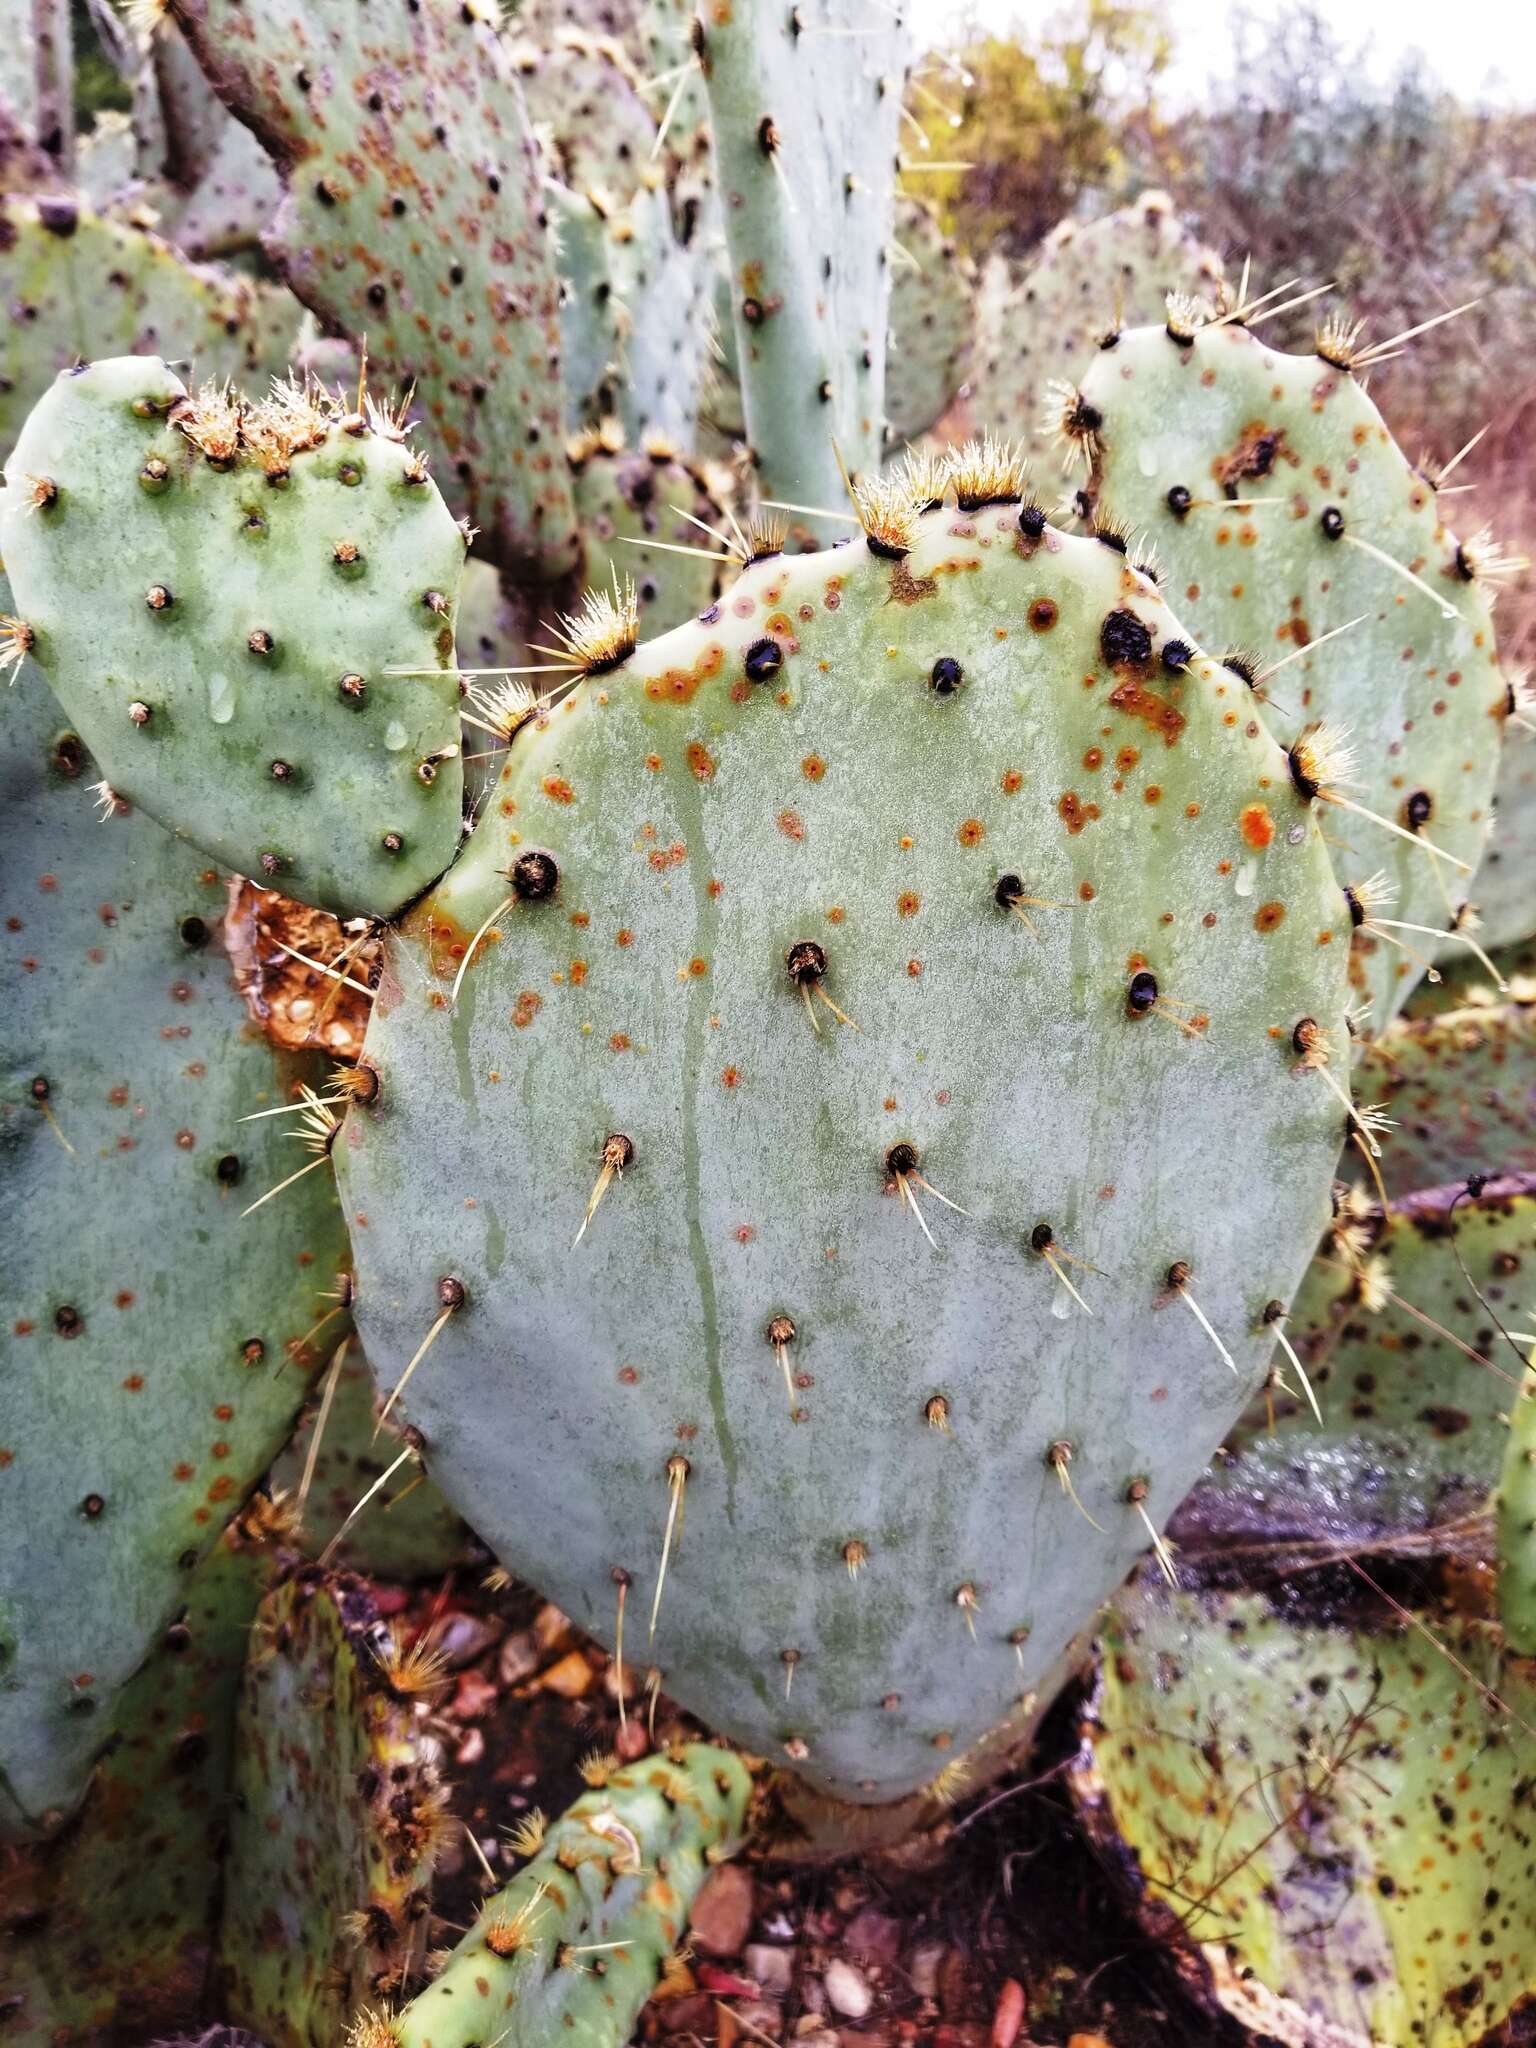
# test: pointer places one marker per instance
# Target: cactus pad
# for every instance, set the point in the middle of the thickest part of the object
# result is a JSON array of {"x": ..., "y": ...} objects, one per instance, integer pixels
[
  {"x": 962, "y": 793},
  {"x": 1178, "y": 422},
  {"x": 933, "y": 302},
  {"x": 336, "y": 1817},
  {"x": 256, "y": 575},
  {"x": 76, "y": 285},
  {"x": 1504, "y": 887},
  {"x": 1087, "y": 279},
  {"x": 1461, "y": 1090},
  {"x": 1334, "y": 1814},
  {"x": 148, "y": 1373},
  {"x": 806, "y": 105},
  {"x": 413, "y": 217},
  {"x": 573, "y": 1945}
]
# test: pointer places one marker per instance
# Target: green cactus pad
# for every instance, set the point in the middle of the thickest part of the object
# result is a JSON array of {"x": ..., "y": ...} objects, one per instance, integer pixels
[
  {"x": 1413, "y": 1427},
  {"x": 336, "y": 1817},
  {"x": 229, "y": 645},
  {"x": 582, "y": 91},
  {"x": 1331, "y": 1813},
  {"x": 407, "y": 1532},
  {"x": 618, "y": 1871},
  {"x": 1176, "y": 427},
  {"x": 147, "y": 1335},
  {"x": 630, "y": 500},
  {"x": 109, "y": 1929},
  {"x": 1517, "y": 1523},
  {"x": 1461, "y": 1090},
  {"x": 1504, "y": 887},
  {"x": 806, "y": 108},
  {"x": 1089, "y": 277},
  {"x": 80, "y": 286},
  {"x": 849, "y": 756},
  {"x": 413, "y": 218},
  {"x": 933, "y": 303}
]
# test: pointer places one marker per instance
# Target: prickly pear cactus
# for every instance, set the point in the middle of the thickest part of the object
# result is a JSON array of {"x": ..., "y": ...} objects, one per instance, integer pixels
[
  {"x": 1504, "y": 887},
  {"x": 638, "y": 506},
  {"x": 1332, "y": 1813},
  {"x": 1283, "y": 512},
  {"x": 422, "y": 123},
  {"x": 1088, "y": 279},
  {"x": 581, "y": 90},
  {"x": 574, "y": 1944},
  {"x": 1409, "y": 1371},
  {"x": 860, "y": 897},
  {"x": 265, "y": 663},
  {"x": 149, "y": 1838},
  {"x": 933, "y": 303},
  {"x": 76, "y": 286},
  {"x": 407, "y": 1531},
  {"x": 806, "y": 106},
  {"x": 336, "y": 1818},
  {"x": 1460, "y": 1088},
  {"x": 1517, "y": 1523},
  {"x": 154, "y": 1361}
]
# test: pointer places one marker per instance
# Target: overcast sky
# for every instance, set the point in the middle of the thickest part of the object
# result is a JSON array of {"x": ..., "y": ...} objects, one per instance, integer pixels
[{"x": 1484, "y": 50}]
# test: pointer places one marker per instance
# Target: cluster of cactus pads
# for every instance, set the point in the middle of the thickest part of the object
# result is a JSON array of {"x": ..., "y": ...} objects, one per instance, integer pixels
[{"x": 877, "y": 1109}]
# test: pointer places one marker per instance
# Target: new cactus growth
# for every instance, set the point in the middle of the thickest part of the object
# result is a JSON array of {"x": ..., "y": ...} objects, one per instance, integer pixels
[
  {"x": 267, "y": 667},
  {"x": 1297, "y": 533},
  {"x": 574, "y": 1944},
  {"x": 824, "y": 926}
]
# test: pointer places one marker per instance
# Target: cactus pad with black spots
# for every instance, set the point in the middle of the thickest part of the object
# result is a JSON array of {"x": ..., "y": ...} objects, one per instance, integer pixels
[
  {"x": 573, "y": 1946},
  {"x": 956, "y": 794},
  {"x": 1460, "y": 1088},
  {"x": 1330, "y": 1811},
  {"x": 1179, "y": 431},
  {"x": 336, "y": 1815},
  {"x": 223, "y": 597},
  {"x": 413, "y": 217},
  {"x": 933, "y": 305},
  {"x": 1411, "y": 1374},
  {"x": 148, "y": 1373},
  {"x": 805, "y": 105},
  {"x": 1042, "y": 322},
  {"x": 76, "y": 285}
]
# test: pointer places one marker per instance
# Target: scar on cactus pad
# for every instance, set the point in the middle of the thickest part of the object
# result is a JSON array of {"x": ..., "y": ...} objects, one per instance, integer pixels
[{"x": 597, "y": 1068}]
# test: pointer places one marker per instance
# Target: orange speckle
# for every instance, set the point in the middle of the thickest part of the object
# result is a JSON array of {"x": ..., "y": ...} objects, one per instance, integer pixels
[
  {"x": 1043, "y": 614},
  {"x": 223, "y": 1412},
  {"x": 791, "y": 825},
  {"x": 1086, "y": 891},
  {"x": 653, "y": 762},
  {"x": 134, "y": 1382},
  {"x": 971, "y": 832},
  {"x": 715, "y": 887},
  {"x": 558, "y": 790},
  {"x": 126, "y": 1298},
  {"x": 698, "y": 967},
  {"x": 1268, "y": 916},
  {"x": 528, "y": 1006},
  {"x": 731, "y": 1077},
  {"x": 1257, "y": 826},
  {"x": 182, "y": 1471},
  {"x": 813, "y": 767},
  {"x": 744, "y": 1233},
  {"x": 701, "y": 762},
  {"x": 909, "y": 903},
  {"x": 1012, "y": 781},
  {"x": 914, "y": 968},
  {"x": 624, "y": 936},
  {"x": 1152, "y": 794},
  {"x": 1075, "y": 812},
  {"x": 619, "y": 1042},
  {"x": 1191, "y": 810},
  {"x": 580, "y": 919},
  {"x": 836, "y": 914},
  {"x": 578, "y": 973}
]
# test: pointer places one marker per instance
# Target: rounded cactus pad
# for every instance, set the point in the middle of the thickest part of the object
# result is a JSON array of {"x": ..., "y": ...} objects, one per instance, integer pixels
[
  {"x": 1326, "y": 1803},
  {"x": 893, "y": 981},
  {"x": 1284, "y": 512},
  {"x": 247, "y": 610}
]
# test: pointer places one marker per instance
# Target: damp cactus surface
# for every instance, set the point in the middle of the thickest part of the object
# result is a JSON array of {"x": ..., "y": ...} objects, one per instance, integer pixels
[
  {"x": 266, "y": 663},
  {"x": 728, "y": 988}
]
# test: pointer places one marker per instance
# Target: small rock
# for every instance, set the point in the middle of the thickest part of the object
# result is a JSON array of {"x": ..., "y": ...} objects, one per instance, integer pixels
[
  {"x": 847, "y": 1991},
  {"x": 694, "y": 2014},
  {"x": 722, "y": 1912},
  {"x": 473, "y": 1696},
  {"x": 570, "y": 1677},
  {"x": 923, "y": 1968},
  {"x": 463, "y": 1637},
  {"x": 471, "y": 1749},
  {"x": 519, "y": 1657},
  {"x": 1088, "y": 2041},
  {"x": 552, "y": 1631},
  {"x": 873, "y": 1937},
  {"x": 774, "y": 1968},
  {"x": 765, "y": 2014}
]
